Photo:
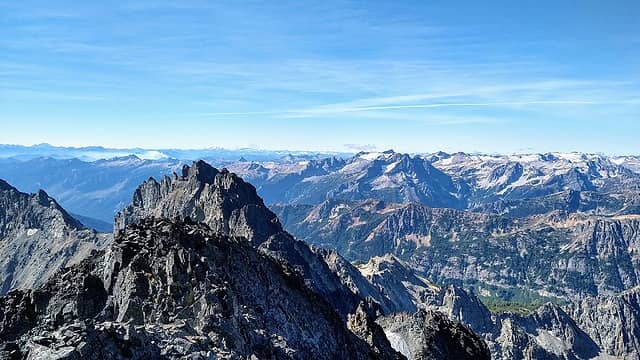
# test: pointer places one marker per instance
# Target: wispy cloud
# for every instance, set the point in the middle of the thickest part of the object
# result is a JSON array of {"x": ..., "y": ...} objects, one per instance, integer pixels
[
  {"x": 329, "y": 111},
  {"x": 541, "y": 94}
]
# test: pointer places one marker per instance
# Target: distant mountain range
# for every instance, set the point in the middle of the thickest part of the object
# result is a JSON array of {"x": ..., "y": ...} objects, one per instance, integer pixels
[
  {"x": 517, "y": 185},
  {"x": 459, "y": 181},
  {"x": 93, "y": 153}
]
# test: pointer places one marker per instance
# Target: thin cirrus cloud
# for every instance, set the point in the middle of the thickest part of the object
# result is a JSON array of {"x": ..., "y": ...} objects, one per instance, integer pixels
[
  {"x": 541, "y": 94},
  {"x": 314, "y": 112}
]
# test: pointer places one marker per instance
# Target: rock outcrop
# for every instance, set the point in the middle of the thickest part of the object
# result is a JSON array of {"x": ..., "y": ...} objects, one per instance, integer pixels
[
  {"x": 547, "y": 333},
  {"x": 431, "y": 335},
  {"x": 603, "y": 327},
  {"x": 398, "y": 284},
  {"x": 203, "y": 194},
  {"x": 37, "y": 238}
]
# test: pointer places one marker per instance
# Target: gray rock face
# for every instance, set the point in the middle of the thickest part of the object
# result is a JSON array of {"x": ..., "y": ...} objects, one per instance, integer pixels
[
  {"x": 398, "y": 284},
  {"x": 352, "y": 278},
  {"x": 611, "y": 321},
  {"x": 385, "y": 281},
  {"x": 204, "y": 194},
  {"x": 38, "y": 237},
  {"x": 595, "y": 327},
  {"x": 180, "y": 290},
  {"x": 431, "y": 335},
  {"x": 547, "y": 333}
]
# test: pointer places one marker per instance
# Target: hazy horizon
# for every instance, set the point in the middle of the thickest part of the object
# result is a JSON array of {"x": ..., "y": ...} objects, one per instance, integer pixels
[{"x": 303, "y": 151}]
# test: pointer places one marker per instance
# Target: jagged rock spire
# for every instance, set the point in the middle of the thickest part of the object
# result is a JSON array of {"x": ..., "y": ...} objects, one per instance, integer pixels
[{"x": 204, "y": 194}]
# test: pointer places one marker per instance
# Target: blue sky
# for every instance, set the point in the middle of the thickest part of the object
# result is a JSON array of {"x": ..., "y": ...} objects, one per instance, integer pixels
[{"x": 488, "y": 76}]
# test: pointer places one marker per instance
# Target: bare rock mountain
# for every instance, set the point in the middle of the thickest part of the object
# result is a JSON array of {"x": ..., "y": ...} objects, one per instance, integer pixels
[
  {"x": 427, "y": 335},
  {"x": 199, "y": 267},
  {"x": 38, "y": 237},
  {"x": 204, "y": 194},
  {"x": 612, "y": 321}
]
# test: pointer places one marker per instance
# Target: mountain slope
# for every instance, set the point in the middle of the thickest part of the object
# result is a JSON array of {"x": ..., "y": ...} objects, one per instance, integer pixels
[
  {"x": 38, "y": 237},
  {"x": 232, "y": 207},
  {"x": 518, "y": 259},
  {"x": 427, "y": 335}
]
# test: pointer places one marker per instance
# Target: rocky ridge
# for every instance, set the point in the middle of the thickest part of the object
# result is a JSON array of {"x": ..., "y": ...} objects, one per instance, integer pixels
[
  {"x": 232, "y": 207},
  {"x": 38, "y": 237}
]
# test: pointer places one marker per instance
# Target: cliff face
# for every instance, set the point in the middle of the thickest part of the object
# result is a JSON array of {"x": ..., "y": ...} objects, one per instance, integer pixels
[
  {"x": 431, "y": 335},
  {"x": 231, "y": 207},
  {"x": 38, "y": 237},
  {"x": 612, "y": 321},
  {"x": 556, "y": 254}
]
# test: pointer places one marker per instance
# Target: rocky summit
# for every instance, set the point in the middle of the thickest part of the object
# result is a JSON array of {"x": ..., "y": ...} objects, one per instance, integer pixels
[
  {"x": 231, "y": 207},
  {"x": 203, "y": 194}
]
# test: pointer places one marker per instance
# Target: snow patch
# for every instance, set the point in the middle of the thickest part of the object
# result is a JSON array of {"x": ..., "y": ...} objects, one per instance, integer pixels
[
  {"x": 573, "y": 157},
  {"x": 152, "y": 155},
  {"x": 371, "y": 156},
  {"x": 391, "y": 167},
  {"x": 398, "y": 343}
]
